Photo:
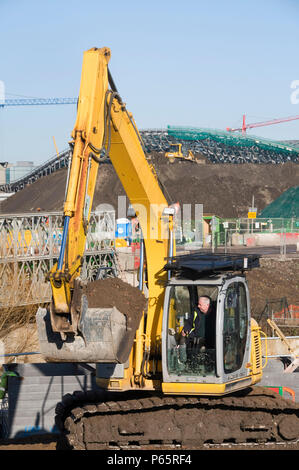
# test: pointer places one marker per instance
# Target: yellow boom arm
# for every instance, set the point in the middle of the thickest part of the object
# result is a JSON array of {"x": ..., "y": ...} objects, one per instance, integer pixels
[{"x": 104, "y": 126}]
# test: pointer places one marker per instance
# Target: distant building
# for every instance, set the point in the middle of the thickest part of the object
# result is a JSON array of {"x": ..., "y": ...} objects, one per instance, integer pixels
[
  {"x": 4, "y": 196},
  {"x": 15, "y": 171},
  {"x": 3, "y": 166}
]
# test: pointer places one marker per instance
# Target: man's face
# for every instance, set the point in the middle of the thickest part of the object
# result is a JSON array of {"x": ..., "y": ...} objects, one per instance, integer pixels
[{"x": 203, "y": 305}]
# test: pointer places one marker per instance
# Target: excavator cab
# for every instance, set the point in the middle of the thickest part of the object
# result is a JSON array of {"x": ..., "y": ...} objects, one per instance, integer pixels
[
  {"x": 223, "y": 354},
  {"x": 225, "y": 348}
]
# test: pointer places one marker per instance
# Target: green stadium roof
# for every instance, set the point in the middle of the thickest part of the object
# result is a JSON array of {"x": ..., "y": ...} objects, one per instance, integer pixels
[{"x": 231, "y": 139}]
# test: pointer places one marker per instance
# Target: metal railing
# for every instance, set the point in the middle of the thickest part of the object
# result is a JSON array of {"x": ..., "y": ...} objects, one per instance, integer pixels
[
  {"x": 262, "y": 225},
  {"x": 230, "y": 239},
  {"x": 30, "y": 246}
]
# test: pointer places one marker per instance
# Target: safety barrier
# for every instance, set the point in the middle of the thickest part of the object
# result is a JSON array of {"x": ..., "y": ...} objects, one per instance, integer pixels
[
  {"x": 281, "y": 390},
  {"x": 29, "y": 248},
  {"x": 292, "y": 311}
]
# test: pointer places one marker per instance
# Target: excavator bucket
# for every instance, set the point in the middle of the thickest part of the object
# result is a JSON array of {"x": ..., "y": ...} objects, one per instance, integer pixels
[{"x": 104, "y": 335}]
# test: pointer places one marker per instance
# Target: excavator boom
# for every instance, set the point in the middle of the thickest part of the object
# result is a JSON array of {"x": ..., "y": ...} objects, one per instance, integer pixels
[
  {"x": 88, "y": 134},
  {"x": 103, "y": 128}
]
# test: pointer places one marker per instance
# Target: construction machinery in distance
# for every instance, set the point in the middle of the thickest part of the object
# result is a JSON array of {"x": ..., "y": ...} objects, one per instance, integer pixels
[
  {"x": 149, "y": 391},
  {"x": 178, "y": 154}
]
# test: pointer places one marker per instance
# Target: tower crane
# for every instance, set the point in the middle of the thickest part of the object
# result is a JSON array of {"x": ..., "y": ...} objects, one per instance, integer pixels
[
  {"x": 36, "y": 101},
  {"x": 260, "y": 124}
]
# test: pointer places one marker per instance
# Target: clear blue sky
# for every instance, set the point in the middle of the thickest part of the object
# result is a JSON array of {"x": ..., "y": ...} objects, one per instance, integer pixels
[{"x": 192, "y": 62}]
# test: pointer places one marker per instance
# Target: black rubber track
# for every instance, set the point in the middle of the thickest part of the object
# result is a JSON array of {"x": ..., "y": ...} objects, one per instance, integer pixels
[{"x": 105, "y": 420}]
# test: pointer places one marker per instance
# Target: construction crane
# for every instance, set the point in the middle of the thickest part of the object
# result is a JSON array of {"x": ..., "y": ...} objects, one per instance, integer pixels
[
  {"x": 36, "y": 101},
  {"x": 260, "y": 124}
]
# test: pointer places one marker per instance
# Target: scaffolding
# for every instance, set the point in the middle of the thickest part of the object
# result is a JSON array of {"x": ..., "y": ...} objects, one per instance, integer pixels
[{"x": 30, "y": 245}]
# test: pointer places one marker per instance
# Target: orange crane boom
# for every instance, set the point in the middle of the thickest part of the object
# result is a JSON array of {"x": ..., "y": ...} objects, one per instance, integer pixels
[{"x": 260, "y": 124}]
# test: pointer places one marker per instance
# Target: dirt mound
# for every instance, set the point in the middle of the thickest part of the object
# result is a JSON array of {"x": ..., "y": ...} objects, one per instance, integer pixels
[
  {"x": 274, "y": 279},
  {"x": 223, "y": 189},
  {"x": 113, "y": 292},
  {"x": 46, "y": 193},
  {"x": 286, "y": 206}
]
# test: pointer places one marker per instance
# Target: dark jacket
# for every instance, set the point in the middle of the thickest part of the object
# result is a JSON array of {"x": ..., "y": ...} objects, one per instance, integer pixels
[{"x": 200, "y": 325}]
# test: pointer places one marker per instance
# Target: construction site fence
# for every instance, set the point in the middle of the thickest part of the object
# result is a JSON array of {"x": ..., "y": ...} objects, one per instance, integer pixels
[
  {"x": 270, "y": 225},
  {"x": 29, "y": 248},
  {"x": 282, "y": 312},
  {"x": 241, "y": 231},
  {"x": 229, "y": 240}
]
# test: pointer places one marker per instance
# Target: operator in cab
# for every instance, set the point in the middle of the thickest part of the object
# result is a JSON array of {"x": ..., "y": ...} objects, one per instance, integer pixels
[{"x": 199, "y": 330}]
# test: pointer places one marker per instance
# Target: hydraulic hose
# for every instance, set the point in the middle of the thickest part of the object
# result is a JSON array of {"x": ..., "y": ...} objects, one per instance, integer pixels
[{"x": 63, "y": 243}]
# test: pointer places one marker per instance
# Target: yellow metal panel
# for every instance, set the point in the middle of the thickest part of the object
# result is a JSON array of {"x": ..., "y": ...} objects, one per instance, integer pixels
[
  {"x": 146, "y": 197},
  {"x": 88, "y": 129},
  {"x": 176, "y": 388},
  {"x": 120, "y": 243},
  {"x": 256, "y": 348},
  {"x": 135, "y": 174}
]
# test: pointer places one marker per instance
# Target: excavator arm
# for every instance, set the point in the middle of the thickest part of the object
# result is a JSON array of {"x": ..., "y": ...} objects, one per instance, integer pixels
[
  {"x": 104, "y": 128},
  {"x": 88, "y": 133}
]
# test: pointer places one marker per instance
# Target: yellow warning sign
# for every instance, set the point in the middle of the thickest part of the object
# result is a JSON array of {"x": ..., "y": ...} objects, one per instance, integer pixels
[{"x": 251, "y": 215}]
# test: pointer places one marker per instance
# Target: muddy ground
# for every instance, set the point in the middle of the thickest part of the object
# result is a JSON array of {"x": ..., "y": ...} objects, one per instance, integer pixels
[
  {"x": 225, "y": 189},
  {"x": 272, "y": 281},
  {"x": 51, "y": 444}
]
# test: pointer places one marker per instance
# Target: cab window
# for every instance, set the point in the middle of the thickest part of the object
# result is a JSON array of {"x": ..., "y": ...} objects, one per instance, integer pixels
[
  {"x": 235, "y": 327},
  {"x": 185, "y": 356}
]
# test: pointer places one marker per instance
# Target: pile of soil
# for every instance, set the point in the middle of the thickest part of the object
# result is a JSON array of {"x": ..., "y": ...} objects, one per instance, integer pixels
[
  {"x": 224, "y": 189},
  {"x": 113, "y": 292},
  {"x": 46, "y": 193},
  {"x": 274, "y": 280},
  {"x": 129, "y": 300}
]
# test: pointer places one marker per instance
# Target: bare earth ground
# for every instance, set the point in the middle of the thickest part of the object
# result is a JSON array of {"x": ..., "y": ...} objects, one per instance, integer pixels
[
  {"x": 274, "y": 279},
  {"x": 32, "y": 445}
]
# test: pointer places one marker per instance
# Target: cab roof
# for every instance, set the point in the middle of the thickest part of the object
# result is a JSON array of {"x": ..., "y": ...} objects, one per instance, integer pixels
[{"x": 210, "y": 265}]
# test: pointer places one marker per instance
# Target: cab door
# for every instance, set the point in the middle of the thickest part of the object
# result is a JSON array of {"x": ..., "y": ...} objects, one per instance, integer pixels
[{"x": 235, "y": 342}]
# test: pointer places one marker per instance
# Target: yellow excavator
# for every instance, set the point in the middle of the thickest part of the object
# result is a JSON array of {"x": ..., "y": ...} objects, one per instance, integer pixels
[
  {"x": 150, "y": 390},
  {"x": 177, "y": 153}
]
